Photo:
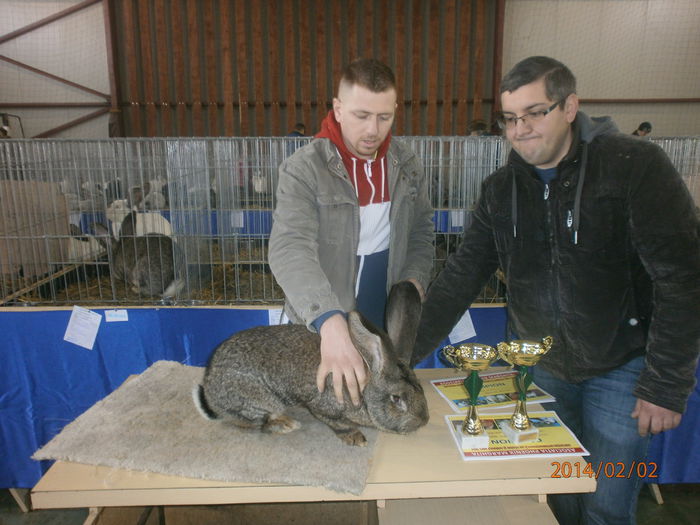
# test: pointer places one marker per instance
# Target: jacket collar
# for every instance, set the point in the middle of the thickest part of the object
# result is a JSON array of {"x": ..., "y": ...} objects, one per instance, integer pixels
[
  {"x": 585, "y": 129},
  {"x": 395, "y": 156},
  {"x": 330, "y": 129}
]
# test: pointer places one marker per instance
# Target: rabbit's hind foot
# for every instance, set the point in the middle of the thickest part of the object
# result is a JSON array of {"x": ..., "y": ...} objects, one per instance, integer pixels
[
  {"x": 352, "y": 437},
  {"x": 281, "y": 425}
]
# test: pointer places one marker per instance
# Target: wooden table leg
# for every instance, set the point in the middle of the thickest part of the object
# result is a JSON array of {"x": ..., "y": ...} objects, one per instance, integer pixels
[
  {"x": 21, "y": 496},
  {"x": 656, "y": 493},
  {"x": 92, "y": 516}
]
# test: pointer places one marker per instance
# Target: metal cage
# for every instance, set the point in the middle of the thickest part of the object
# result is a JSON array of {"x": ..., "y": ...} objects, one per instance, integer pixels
[{"x": 203, "y": 213}]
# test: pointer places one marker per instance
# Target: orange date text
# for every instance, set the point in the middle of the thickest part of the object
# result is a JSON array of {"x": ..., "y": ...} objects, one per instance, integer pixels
[{"x": 608, "y": 469}]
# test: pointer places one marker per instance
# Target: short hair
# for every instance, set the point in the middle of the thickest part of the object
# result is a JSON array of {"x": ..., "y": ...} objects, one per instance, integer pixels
[
  {"x": 645, "y": 126},
  {"x": 559, "y": 81},
  {"x": 368, "y": 73},
  {"x": 300, "y": 126},
  {"x": 477, "y": 125}
]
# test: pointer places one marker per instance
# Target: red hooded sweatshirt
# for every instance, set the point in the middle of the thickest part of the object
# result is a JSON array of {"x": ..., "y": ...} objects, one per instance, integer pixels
[
  {"x": 370, "y": 179},
  {"x": 368, "y": 186}
]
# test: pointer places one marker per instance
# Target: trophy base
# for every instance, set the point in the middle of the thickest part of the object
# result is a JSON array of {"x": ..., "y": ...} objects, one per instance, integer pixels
[
  {"x": 471, "y": 441},
  {"x": 519, "y": 436}
]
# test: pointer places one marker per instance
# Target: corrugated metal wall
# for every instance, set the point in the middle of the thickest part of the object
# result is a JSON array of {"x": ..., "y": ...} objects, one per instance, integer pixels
[{"x": 255, "y": 67}]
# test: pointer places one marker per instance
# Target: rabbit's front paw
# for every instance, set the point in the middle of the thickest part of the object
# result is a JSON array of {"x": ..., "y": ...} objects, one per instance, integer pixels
[
  {"x": 352, "y": 437},
  {"x": 281, "y": 425}
]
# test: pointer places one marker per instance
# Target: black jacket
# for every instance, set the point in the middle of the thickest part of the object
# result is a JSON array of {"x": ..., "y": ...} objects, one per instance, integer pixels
[{"x": 606, "y": 260}]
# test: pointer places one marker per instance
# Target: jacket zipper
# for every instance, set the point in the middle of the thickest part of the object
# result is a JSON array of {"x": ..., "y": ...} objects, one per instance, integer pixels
[
  {"x": 341, "y": 172},
  {"x": 550, "y": 232},
  {"x": 553, "y": 246}
]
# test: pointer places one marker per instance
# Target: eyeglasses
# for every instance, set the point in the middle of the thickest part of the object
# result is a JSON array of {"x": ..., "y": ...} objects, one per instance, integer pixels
[{"x": 510, "y": 121}]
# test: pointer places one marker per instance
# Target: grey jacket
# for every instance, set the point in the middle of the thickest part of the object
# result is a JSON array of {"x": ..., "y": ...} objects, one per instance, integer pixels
[{"x": 316, "y": 227}]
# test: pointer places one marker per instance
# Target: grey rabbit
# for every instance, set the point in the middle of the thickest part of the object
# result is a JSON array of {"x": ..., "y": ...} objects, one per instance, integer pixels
[
  {"x": 145, "y": 262},
  {"x": 253, "y": 376}
]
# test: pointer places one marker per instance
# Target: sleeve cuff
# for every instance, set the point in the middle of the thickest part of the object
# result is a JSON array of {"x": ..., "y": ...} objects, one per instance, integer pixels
[{"x": 318, "y": 322}]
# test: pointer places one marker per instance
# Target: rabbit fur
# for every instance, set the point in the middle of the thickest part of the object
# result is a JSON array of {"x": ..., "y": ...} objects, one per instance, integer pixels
[
  {"x": 253, "y": 376},
  {"x": 145, "y": 262}
]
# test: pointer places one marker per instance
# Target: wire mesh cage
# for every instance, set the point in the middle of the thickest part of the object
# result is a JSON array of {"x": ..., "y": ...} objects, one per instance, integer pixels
[
  {"x": 187, "y": 221},
  {"x": 138, "y": 221}
]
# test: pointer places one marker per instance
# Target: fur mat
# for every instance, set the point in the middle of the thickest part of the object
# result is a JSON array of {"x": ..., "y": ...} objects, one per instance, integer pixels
[{"x": 151, "y": 424}]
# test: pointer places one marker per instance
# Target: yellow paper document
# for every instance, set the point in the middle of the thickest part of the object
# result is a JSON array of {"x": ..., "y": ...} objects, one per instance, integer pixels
[
  {"x": 499, "y": 390},
  {"x": 555, "y": 438}
]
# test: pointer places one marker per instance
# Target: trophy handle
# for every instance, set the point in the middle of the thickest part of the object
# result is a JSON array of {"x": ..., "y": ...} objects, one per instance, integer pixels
[
  {"x": 448, "y": 354},
  {"x": 503, "y": 352},
  {"x": 547, "y": 342}
]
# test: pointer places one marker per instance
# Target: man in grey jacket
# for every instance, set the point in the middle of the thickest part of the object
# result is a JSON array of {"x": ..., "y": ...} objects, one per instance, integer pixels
[
  {"x": 597, "y": 237},
  {"x": 352, "y": 219}
]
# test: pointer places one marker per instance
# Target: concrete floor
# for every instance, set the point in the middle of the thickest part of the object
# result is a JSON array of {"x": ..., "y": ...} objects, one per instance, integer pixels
[{"x": 681, "y": 507}]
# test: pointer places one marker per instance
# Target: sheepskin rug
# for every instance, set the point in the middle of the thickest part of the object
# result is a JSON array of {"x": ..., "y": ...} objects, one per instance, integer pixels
[{"x": 151, "y": 424}]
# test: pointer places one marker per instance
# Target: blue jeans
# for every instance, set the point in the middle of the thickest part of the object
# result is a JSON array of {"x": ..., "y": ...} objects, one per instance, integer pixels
[{"x": 598, "y": 412}]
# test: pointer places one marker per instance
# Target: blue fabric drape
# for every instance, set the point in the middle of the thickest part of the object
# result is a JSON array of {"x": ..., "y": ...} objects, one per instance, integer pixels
[{"x": 46, "y": 382}]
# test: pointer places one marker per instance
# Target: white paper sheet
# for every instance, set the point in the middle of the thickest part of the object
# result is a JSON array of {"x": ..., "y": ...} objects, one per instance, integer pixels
[
  {"x": 464, "y": 329},
  {"x": 82, "y": 327},
  {"x": 114, "y": 316},
  {"x": 276, "y": 316}
]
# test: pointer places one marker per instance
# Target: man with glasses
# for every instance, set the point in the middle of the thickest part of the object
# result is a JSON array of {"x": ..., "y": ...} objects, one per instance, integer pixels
[{"x": 597, "y": 237}]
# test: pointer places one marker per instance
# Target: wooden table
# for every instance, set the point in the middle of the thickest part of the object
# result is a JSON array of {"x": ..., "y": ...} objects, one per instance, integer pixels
[{"x": 425, "y": 465}]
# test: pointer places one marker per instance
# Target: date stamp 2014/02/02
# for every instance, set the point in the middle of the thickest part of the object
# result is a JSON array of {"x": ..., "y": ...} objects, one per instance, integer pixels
[{"x": 608, "y": 469}]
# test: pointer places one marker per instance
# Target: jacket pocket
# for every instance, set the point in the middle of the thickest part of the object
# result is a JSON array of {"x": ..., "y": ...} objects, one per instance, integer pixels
[
  {"x": 504, "y": 233},
  {"x": 335, "y": 218},
  {"x": 412, "y": 181},
  {"x": 602, "y": 228}
]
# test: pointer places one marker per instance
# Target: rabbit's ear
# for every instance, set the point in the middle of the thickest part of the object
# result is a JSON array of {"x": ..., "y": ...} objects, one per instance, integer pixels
[
  {"x": 402, "y": 315},
  {"x": 101, "y": 233},
  {"x": 367, "y": 341},
  {"x": 128, "y": 225}
]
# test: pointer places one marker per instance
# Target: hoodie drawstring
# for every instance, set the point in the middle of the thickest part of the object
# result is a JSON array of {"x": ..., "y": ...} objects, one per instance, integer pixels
[
  {"x": 577, "y": 201},
  {"x": 514, "y": 206},
  {"x": 354, "y": 175},
  {"x": 579, "y": 190}
]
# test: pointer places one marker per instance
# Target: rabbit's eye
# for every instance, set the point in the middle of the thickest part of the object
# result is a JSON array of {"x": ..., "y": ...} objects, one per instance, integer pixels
[{"x": 398, "y": 402}]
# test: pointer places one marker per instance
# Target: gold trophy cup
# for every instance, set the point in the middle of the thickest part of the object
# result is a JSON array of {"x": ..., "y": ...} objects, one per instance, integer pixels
[
  {"x": 473, "y": 357},
  {"x": 522, "y": 354}
]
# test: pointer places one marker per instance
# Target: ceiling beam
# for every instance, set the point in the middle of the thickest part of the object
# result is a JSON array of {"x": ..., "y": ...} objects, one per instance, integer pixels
[{"x": 44, "y": 21}]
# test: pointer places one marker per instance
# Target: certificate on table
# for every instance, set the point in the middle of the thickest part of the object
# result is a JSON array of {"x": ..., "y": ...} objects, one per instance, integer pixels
[
  {"x": 555, "y": 439},
  {"x": 498, "y": 390}
]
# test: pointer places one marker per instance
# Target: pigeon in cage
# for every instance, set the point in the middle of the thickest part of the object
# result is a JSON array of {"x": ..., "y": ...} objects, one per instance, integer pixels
[
  {"x": 91, "y": 195},
  {"x": 154, "y": 200},
  {"x": 152, "y": 195},
  {"x": 114, "y": 190},
  {"x": 82, "y": 247}
]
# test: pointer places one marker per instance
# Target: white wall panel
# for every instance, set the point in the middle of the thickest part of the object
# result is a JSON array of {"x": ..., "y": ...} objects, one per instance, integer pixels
[
  {"x": 73, "y": 48},
  {"x": 618, "y": 49}
]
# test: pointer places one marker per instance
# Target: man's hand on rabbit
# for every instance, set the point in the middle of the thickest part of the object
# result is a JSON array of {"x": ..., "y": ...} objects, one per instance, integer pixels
[{"x": 340, "y": 358}]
